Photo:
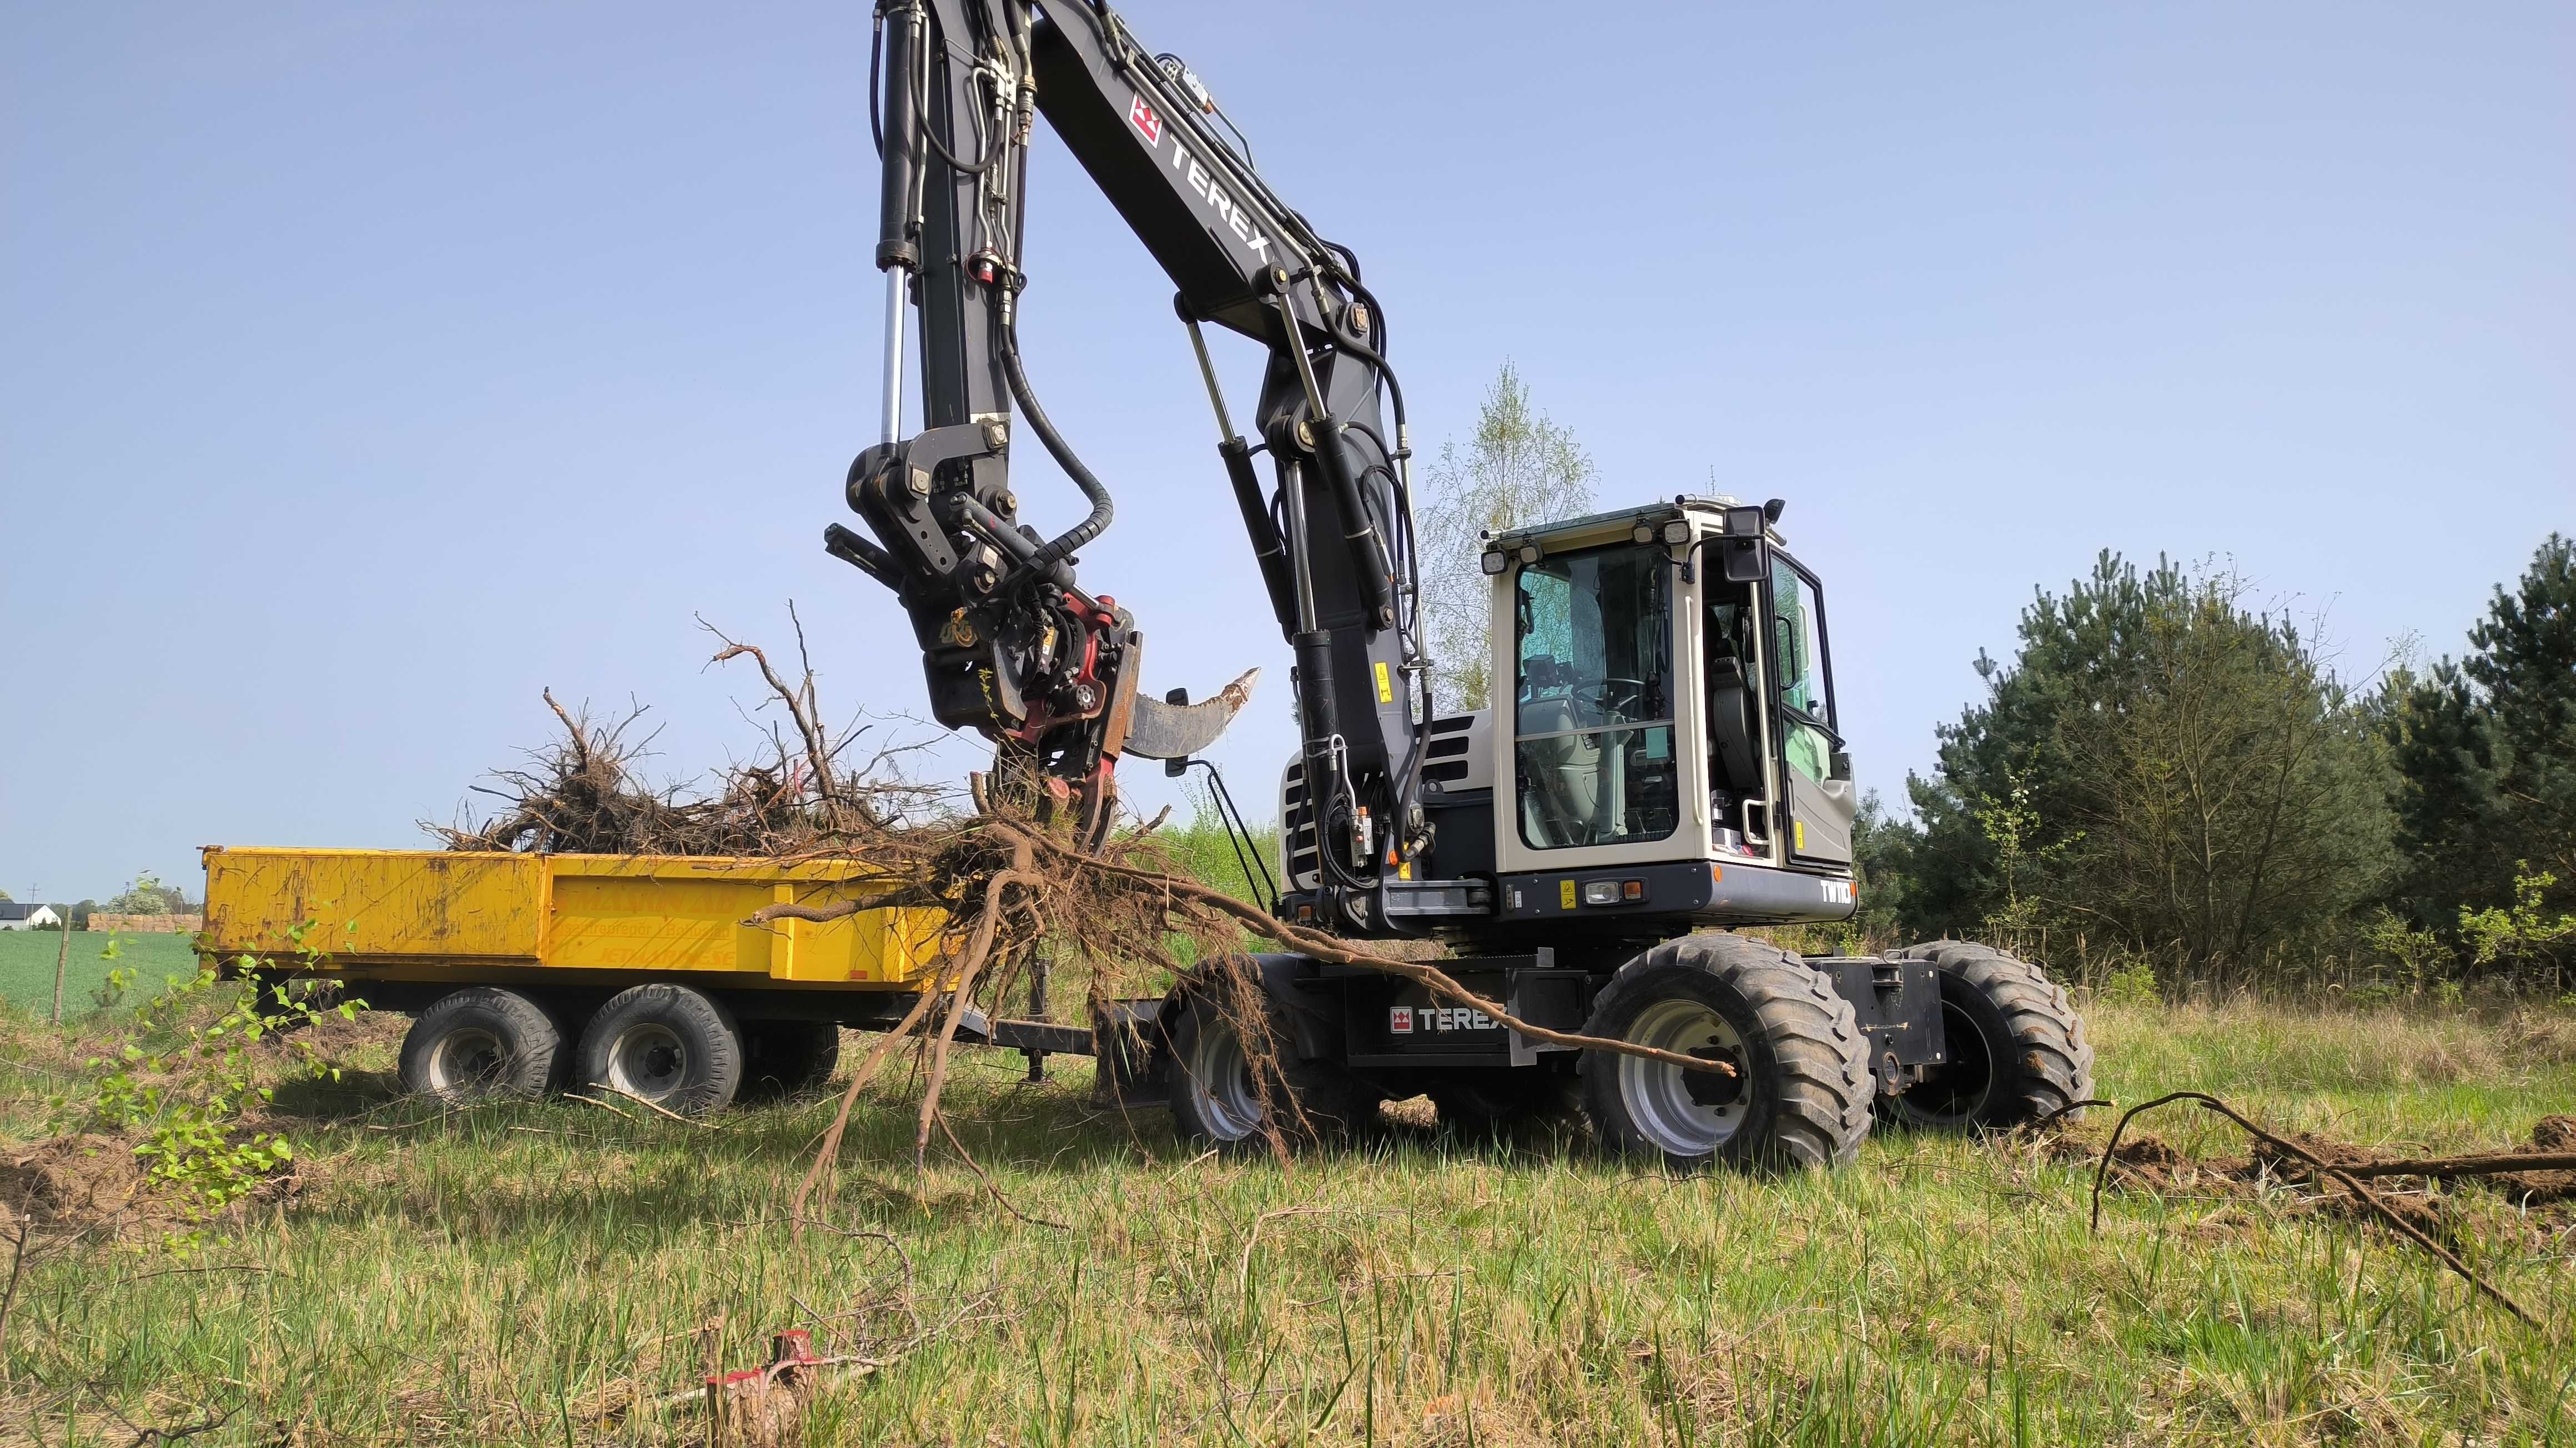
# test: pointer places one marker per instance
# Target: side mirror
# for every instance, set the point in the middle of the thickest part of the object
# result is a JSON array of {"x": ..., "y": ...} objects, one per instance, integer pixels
[
  {"x": 1744, "y": 554},
  {"x": 1841, "y": 765}
]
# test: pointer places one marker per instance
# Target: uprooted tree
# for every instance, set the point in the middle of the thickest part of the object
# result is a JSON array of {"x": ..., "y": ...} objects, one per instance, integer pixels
[{"x": 1001, "y": 864}]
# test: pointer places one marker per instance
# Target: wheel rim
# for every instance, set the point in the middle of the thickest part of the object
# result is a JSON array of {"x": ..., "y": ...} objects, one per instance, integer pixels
[
  {"x": 648, "y": 1059},
  {"x": 466, "y": 1060},
  {"x": 1219, "y": 1081},
  {"x": 1963, "y": 1086},
  {"x": 1683, "y": 1112}
]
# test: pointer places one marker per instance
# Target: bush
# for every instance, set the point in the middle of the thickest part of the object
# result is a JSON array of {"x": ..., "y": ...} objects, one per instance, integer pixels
[{"x": 2161, "y": 773}]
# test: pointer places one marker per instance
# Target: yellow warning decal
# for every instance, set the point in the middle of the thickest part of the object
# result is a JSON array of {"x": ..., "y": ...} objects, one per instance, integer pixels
[
  {"x": 1565, "y": 894},
  {"x": 1798, "y": 834},
  {"x": 1385, "y": 685}
]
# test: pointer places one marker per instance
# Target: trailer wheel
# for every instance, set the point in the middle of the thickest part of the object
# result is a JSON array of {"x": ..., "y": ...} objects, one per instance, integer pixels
[
  {"x": 1218, "y": 1099},
  {"x": 2016, "y": 1047},
  {"x": 481, "y": 1041},
  {"x": 785, "y": 1057},
  {"x": 1801, "y": 1093},
  {"x": 667, "y": 1044}
]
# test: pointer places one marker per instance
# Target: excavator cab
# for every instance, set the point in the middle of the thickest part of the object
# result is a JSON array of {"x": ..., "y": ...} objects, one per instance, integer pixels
[
  {"x": 1671, "y": 721},
  {"x": 1663, "y": 751}
]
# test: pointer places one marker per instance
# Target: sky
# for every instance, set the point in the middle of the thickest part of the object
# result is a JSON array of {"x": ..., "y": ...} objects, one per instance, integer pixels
[{"x": 370, "y": 369}]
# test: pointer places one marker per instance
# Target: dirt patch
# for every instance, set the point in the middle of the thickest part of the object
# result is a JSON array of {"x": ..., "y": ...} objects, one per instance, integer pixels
[
  {"x": 80, "y": 1182},
  {"x": 2538, "y": 1188},
  {"x": 72, "y": 1181},
  {"x": 2152, "y": 1164},
  {"x": 2149, "y": 1163}
]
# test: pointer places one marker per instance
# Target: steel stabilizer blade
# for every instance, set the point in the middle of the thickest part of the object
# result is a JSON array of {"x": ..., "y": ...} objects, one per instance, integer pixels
[{"x": 1176, "y": 731}]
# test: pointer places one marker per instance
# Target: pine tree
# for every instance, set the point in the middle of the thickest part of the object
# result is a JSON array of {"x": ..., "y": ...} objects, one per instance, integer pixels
[{"x": 2485, "y": 751}]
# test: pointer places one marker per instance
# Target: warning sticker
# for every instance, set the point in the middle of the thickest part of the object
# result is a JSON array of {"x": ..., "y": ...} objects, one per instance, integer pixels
[
  {"x": 1565, "y": 894},
  {"x": 1385, "y": 685}
]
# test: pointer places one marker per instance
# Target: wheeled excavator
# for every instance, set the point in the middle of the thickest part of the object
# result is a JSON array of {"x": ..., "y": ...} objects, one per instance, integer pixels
[{"x": 1663, "y": 761}]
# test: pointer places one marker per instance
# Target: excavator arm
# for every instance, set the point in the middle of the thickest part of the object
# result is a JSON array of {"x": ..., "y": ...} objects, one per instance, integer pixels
[{"x": 1012, "y": 645}]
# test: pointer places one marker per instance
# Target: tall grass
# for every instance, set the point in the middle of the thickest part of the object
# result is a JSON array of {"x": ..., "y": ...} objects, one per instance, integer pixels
[
  {"x": 1202, "y": 846},
  {"x": 535, "y": 1273}
]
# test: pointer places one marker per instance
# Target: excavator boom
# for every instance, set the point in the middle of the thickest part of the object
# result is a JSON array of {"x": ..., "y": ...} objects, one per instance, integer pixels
[{"x": 1013, "y": 646}]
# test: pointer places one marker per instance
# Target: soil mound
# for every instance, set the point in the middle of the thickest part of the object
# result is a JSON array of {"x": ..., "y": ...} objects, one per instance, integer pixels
[{"x": 71, "y": 1181}]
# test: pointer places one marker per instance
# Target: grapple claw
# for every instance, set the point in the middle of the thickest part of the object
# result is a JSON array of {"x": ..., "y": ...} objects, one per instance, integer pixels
[{"x": 1158, "y": 729}]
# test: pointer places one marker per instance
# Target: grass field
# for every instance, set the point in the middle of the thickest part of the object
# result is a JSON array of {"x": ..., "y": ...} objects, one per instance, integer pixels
[
  {"x": 27, "y": 966},
  {"x": 546, "y": 1273}
]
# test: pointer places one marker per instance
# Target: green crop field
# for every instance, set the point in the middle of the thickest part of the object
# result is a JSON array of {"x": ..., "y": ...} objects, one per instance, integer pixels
[
  {"x": 27, "y": 966},
  {"x": 561, "y": 1273}
]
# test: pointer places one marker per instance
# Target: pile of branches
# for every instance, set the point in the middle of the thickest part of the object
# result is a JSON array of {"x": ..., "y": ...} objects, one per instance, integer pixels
[
  {"x": 585, "y": 792},
  {"x": 1003, "y": 866}
]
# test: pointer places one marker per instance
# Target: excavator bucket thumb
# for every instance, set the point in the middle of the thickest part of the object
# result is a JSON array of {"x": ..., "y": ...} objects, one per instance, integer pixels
[{"x": 1177, "y": 729}]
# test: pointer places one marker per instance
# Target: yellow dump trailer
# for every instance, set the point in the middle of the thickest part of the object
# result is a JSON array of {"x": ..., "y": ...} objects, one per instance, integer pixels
[
  {"x": 430, "y": 916},
  {"x": 638, "y": 974}
]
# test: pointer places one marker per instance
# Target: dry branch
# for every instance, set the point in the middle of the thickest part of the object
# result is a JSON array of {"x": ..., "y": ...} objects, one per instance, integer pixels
[{"x": 2324, "y": 1172}]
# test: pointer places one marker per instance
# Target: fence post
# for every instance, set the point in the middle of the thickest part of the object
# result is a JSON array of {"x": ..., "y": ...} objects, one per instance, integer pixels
[{"x": 62, "y": 957}]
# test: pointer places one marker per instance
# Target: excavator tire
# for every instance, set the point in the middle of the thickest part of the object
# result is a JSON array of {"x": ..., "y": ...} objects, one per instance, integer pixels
[
  {"x": 1224, "y": 1095},
  {"x": 2016, "y": 1047},
  {"x": 1801, "y": 1091}
]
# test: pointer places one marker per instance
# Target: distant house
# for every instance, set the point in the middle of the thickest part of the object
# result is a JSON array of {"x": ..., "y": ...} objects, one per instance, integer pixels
[{"x": 15, "y": 916}]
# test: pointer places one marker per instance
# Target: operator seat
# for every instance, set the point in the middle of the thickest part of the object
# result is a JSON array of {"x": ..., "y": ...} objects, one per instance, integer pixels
[
  {"x": 1561, "y": 795},
  {"x": 1730, "y": 719}
]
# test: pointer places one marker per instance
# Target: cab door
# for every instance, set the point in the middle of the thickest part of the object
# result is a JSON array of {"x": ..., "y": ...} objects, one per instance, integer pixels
[{"x": 1815, "y": 772}]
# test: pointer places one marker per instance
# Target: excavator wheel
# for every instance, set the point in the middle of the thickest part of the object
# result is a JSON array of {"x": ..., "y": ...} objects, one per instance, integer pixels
[
  {"x": 1228, "y": 1092},
  {"x": 2016, "y": 1047},
  {"x": 1799, "y": 1092}
]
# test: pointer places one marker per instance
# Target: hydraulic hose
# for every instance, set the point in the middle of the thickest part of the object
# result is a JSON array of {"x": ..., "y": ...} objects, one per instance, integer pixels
[{"x": 1092, "y": 488}]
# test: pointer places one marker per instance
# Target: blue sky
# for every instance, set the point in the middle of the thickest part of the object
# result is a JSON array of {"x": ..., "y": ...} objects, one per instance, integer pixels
[{"x": 370, "y": 368}]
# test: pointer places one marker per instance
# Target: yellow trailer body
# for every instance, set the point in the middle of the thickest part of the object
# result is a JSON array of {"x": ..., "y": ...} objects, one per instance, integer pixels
[{"x": 444, "y": 915}]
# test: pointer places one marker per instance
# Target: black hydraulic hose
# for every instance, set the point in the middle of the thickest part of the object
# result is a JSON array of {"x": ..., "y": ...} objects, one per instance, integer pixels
[
  {"x": 876, "y": 63},
  {"x": 1092, "y": 488},
  {"x": 1370, "y": 355}
]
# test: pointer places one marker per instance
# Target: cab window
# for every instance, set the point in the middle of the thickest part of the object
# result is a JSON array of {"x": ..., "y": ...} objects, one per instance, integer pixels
[
  {"x": 1593, "y": 699},
  {"x": 1805, "y": 686}
]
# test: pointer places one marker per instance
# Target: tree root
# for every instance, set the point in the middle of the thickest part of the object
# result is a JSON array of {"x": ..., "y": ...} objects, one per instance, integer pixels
[{"x": 2342, "y": 1176}]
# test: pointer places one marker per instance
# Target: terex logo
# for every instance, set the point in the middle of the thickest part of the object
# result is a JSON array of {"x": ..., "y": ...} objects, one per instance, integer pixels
[
  {"x": 1433, "y": 1020},
  {"x": 1149, "y": 124}
]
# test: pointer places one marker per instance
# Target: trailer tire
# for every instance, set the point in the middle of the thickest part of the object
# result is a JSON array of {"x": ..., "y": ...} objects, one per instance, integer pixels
[
  {"x": 480, "y": 1042},
  {"x": 1219, "y": 1100},
  {"x": 667, "y": 1044},
  {"x": 2016, "y": 1046},
  {"x": 782, "y": 1058},
  {"x": 1802, "y": 1094}
]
